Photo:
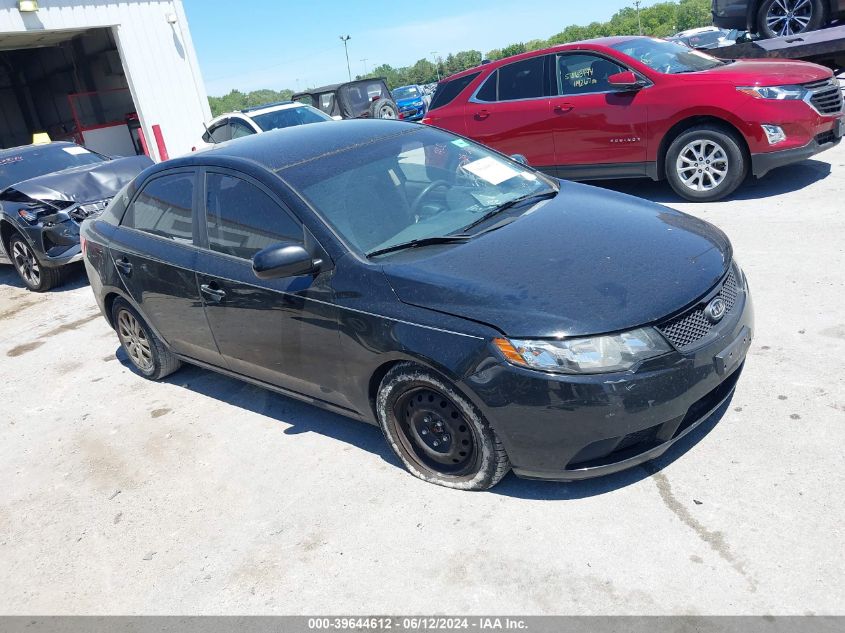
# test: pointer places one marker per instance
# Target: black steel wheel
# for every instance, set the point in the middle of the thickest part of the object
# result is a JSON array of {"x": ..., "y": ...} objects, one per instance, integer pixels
[
  {"x": 35, "y": 275},
  {"x": 147, "y": 352},
  {"x": 436, "y": 432}
]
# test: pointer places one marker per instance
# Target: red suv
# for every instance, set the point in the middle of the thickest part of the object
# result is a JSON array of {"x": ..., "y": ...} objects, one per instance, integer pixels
[{"x": 627, "y": 107}]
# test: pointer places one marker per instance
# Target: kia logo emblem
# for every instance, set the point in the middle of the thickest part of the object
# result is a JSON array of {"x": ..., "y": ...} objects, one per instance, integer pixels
[{"x": 716, "y": 309}]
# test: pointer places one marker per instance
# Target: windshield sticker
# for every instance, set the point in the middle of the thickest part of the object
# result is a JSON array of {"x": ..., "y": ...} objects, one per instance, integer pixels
[
  {"x": 10, "y": 159},
  {"x": 459, "y": 142},
  {"x": 75, "y": 151},
  {"x": 491, "y": 170}
]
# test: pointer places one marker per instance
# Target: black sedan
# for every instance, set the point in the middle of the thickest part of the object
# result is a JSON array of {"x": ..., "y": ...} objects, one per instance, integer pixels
[
  {"x": 486, "y": 317},
  {"x": 46, "y": 191}
]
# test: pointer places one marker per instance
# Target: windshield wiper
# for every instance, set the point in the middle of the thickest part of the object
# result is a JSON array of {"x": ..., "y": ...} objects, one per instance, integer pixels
[
  {"x": 426, "y": 241},
  {"x": 509, "y": 205}
]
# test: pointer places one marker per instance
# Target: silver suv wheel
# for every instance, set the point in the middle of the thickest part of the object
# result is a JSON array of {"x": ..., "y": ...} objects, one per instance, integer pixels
[
  {"x": 788, "y": 17},
  {"x": 702, "y": 165}
]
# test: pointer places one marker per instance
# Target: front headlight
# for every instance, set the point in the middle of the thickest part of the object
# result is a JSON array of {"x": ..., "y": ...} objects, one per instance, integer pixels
[
  {"x": 776, "y": 93},
  {"x": 590, "y": 355}
]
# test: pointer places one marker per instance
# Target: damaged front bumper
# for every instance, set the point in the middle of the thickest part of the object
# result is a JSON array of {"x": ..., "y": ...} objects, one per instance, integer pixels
[
  {"x": 568, "y": 428},
  {"x": 54, "y": 234}
]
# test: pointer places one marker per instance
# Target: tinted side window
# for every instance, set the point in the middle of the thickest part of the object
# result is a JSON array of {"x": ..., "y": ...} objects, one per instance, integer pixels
[
  {"x": 242, "y": 219},
  {"x": 163, "y": 208},
  {"x": 221, "y": 132},
  {"x": 521, "y": 80},
  {"x": 447, "y": 91},
  {"x": 240, "y": 129},
  {"x": 579, "y": 74},
  {"x": 490, "y": 90}
]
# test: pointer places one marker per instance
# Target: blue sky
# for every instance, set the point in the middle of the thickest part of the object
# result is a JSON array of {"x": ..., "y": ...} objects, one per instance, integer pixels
[{"x": 283, "y": 44}]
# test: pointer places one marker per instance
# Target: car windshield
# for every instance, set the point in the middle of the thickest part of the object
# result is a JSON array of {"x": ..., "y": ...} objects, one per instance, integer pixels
[
  {"x": 289, "y": 117},
  {"x": 667, "y": 57},
  {"x": 420, "y": 185},
  {"x": 703, "y": 39},
  {"x": 32, "y": 162},
  {"x": 406, "y": 92}
]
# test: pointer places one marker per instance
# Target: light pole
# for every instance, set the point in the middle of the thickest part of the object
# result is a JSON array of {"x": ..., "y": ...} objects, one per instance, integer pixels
[
  {"x": 345, "y": 39},
  {"x": 436, "y": 65},
  {"x": 639, "y": 21},
  {"x": 366, "y": 72}
]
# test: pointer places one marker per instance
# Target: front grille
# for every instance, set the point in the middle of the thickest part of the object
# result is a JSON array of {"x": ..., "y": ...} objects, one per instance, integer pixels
[
  {"x": 685, "y": 330},
  {"x": 826, "y": 96}
]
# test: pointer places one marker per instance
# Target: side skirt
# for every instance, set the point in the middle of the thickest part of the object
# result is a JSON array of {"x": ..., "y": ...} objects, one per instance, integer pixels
[
  {"x": 322, "y": 404},
  {"x": 606, "y": 171}
]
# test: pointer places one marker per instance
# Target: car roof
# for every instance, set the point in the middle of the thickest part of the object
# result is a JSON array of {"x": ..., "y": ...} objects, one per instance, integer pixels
[
  {"x": 23, "y": 149},
  {"x": 596, "y": 44},
  {"x": 276, "y": 105},
  {"x": 279, "y": 149},
  {"x": 333, "y": 87}
]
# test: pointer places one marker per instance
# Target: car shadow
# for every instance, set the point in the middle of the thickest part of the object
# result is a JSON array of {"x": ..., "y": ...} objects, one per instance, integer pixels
[
  {"x": 777, "y": 182},
  {"x": 300, "y": 417},
  {"x": 75, "y": 278},
  {"x": 305, "y": 418}
]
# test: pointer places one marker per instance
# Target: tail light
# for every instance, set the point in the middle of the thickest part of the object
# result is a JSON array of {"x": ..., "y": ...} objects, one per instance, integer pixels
[
  {"x": 426, "y": 120},
  {"x": 83, "y": 243}
]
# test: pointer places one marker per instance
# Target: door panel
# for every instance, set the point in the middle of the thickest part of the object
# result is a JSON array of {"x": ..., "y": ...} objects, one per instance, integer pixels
[
  {"x": 511, "y": 113},
  {"x": 275, "y": 331},
  {"x": 153, "y": 251},
  {"x": 280, "y": 331},
  {"x": 594, "y": 124}
]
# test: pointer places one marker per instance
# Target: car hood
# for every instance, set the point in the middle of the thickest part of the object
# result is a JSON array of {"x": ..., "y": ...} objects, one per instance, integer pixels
[
  {"x": 589, "y": 261},
  {"x": 766, "y": 72},
  {"x": 82, "y": 184}
]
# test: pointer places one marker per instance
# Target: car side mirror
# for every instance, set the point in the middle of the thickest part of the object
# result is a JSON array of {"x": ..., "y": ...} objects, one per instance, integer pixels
[
  {"x": 625, "y": 81},
  {"x": 520, "y": 159},
  {"x": 285, "y": 259}
]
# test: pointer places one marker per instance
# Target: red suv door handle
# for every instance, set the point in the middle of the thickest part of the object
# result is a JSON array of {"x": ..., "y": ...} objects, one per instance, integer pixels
[
  {"x": 482, "y": 114},
  {"x": 563, "y": 108}
]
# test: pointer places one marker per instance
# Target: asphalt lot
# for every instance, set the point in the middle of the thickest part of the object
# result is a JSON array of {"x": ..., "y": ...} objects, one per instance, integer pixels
[{"x": 202, "y": 494}]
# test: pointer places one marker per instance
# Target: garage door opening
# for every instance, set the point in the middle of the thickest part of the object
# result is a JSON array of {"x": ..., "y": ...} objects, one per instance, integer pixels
[{"x": 70, "y": 85}]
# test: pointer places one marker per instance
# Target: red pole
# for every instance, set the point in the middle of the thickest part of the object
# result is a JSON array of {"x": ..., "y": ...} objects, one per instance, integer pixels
[{"x": 162, "y": 148}]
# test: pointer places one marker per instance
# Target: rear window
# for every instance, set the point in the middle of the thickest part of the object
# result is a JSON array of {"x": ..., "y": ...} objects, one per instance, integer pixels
[{"x": 447, "y": 91}]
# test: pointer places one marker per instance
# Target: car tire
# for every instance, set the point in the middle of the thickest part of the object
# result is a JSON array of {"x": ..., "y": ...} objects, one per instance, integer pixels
[
  {"x": 148, "y": 354},
  {"x": 706, "y": 163},
  {"x": 384, "y": 109},
  {"x": 35, "y": 275},
  {"x": 813, "y": 13},
  {"x": 437, "y": 433}
]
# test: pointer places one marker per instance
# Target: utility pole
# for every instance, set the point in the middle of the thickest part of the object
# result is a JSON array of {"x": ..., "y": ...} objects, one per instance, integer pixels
[
  {"x": 436, "y": 65},
  {"x": 366, "y": 72},
  {"x": 345, "y": 39},
  {"x": 639, "y": 21}
]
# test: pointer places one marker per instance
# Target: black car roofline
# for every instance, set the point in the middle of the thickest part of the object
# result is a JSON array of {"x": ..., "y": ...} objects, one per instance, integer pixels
[{"x": 346, "y": 148}]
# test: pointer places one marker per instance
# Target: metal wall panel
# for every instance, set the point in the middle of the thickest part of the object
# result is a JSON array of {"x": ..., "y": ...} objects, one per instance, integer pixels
[{"x": 158, "y": 58}]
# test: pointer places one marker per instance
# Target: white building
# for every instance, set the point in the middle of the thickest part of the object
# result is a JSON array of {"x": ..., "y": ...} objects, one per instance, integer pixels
[{"x": 120, "y": 76}]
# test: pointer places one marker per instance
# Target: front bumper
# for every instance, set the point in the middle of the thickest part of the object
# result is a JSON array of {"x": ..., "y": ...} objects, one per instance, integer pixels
[
  {"x": 412, "y": 113},
  {"x": 762, "y": 164},
  {"x": 568, "y": 428}
]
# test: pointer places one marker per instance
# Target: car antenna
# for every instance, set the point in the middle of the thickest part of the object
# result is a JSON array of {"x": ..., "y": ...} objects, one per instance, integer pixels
[{"x": 211, "y": 138}]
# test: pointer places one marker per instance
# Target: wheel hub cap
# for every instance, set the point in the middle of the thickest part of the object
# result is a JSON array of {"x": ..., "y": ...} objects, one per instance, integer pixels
[
  {"x": 26, "y": 263},
  {"x": 134, "y": 340},
  {"x": 436, "y": 430},
  {"x": 702, "y": 165},
  {"x": 787, "y": 17}
]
